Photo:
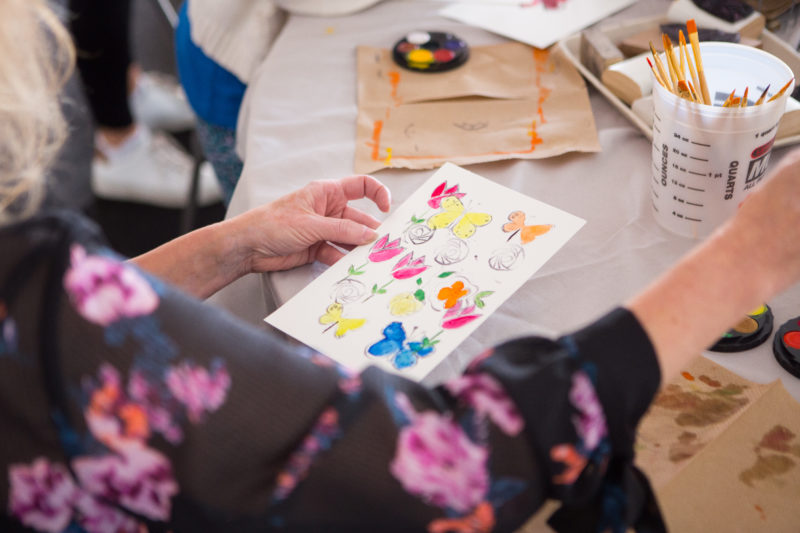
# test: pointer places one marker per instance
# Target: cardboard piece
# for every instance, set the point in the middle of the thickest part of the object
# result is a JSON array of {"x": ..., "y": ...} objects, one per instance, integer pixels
[
  {"x": 722, "y": 452},
  {"x": 508, "y": 101}
]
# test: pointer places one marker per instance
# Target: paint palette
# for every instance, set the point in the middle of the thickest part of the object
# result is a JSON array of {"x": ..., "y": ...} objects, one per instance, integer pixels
[
  {"x": 786, "y": 346},
  {"x": 752, "y": 331},
  {"x": 430, "y": 51}
]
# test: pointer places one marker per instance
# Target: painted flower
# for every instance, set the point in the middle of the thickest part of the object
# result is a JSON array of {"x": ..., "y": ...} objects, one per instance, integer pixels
[
  {"x": 453, "y": 251},
  {"x": 450, "y": 295},
  {"x": 404, "y": 304},
  {"x": 198, "y": 389},
  {"x": 590, "y": 424},
  {"x": 408, "y": 267},
  {"x": 456, "y": 317},
  {"x": 441, "y": 192},
  {"x": 348, "y": 291},
  {"x": 104, "y": 290},
  {"x": 97, "y": 517},
  {"x": 437, "y": 461},
  {"x": 419, "y": 234},
  {"x": 41, "y": 495},
  {"x": 134, "y": 476},
  {"x": 506, "y": 257},
  {"x": 383, "y": 250},
  {"x": 485, "y": 394}
]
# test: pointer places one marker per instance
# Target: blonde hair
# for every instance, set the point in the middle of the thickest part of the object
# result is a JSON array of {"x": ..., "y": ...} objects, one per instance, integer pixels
[{"x": 36, "y": 59}]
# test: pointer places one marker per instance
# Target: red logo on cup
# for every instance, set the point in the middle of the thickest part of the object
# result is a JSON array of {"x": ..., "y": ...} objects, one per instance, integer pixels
[{"x": 763, "y": 149}]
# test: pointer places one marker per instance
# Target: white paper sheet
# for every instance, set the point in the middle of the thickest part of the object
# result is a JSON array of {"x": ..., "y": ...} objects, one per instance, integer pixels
[
  {"x": 446, "y": 259},
  {"x": 534, "y": 23}
]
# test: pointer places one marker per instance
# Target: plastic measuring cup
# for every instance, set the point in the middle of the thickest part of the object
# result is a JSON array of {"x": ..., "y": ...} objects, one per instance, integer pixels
[{"x": 706, "y": 159}]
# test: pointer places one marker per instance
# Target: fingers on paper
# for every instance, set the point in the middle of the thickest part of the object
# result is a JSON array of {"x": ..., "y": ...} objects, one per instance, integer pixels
[
  {"x": 364, "y": 186},
  {"x": 328, "y": 254},
  {"x": 361, "y": 217},
  {"x": 342, "y": 230}
]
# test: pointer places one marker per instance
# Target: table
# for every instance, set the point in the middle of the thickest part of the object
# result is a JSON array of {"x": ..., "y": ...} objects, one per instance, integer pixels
[{"x": 298, "y": 124}]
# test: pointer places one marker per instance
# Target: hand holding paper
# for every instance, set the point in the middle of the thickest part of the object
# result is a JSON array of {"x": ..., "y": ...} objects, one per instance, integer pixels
[
  {"x": 296, "y": 229},
  {"x": 446, "y": 259}
]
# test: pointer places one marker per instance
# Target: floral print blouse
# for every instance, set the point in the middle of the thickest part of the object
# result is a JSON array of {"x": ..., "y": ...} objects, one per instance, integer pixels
[{"x": 126, "y": 406}]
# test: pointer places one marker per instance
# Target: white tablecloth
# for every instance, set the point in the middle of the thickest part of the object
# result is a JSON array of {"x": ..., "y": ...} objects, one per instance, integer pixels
[{"x": 298, "y": 125}]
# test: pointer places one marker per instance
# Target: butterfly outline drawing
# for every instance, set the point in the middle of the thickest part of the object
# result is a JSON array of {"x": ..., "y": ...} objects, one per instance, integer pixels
[
  {"x": 333, "y": 317},
  {"x": 404, "y": 354},
  {"x": 527, "y": 233},
  {"x": 454, "y": 209}
]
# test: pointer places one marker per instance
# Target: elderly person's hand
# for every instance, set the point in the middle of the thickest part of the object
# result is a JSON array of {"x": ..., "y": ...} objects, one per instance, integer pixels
[
  {"x": 297, "y": 229},
  {"x": 744, "y": 263},
  {"x": 291, "y": 231},
  {"x": 767, "y": 226}
]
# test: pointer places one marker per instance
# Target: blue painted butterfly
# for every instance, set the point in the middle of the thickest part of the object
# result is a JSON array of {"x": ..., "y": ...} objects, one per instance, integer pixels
[{"x": 404, "y": 354}]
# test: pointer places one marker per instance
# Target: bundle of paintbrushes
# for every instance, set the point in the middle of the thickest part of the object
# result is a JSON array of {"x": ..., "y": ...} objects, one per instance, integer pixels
[{"x": 673, "y": 77}]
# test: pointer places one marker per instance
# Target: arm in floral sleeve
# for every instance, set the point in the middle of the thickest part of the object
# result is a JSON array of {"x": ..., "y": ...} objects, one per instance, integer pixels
[{"x": 170, "y": 413}]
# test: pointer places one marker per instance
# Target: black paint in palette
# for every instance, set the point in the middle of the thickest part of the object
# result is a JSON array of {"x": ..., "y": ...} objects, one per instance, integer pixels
[
  {"x": 786, "y": 346},
  {"x": 430, "y": 51},
  {"x": 750, "y": 332}
]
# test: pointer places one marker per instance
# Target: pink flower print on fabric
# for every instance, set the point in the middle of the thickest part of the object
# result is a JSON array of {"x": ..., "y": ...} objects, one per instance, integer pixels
[
  {"x": 383, "y": 250},
  {"x": 96, "y": 517},
  {"x": 408, "y": 267},
  {"x": 134, "y": 476},
  {"x": 437, "y": 461},
  {"x": 159, "y": 417},
  {"x": 41, "y": 495},
  {"x": 441, "y": 192},
  {"x": 484, "y": 393},
  {"x": 198, "y": 389},
  {"x": 590, "y": 424},
  {"x": 459, "y": 316},
  {"x": 104, "y": 290}
]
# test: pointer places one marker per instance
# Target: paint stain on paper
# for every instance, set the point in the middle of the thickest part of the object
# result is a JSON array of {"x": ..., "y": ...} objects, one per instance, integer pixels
[{"x": 700, "y": 408}]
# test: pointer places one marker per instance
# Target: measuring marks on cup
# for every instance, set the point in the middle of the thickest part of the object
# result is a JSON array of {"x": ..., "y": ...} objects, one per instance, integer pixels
[
  {"x": 682, "y": 160},
  {"x": 700, "y": 176}
]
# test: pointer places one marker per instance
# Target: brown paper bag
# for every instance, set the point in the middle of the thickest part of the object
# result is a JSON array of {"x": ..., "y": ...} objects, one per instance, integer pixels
[
  {"x": 723, "y": 453},
  {"x": 507, "y": 101}
]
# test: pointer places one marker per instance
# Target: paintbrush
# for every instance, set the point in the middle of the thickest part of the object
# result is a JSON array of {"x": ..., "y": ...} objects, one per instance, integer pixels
[
  {"x": 727, "y": 102},
  {"x": 744, "y": 97},
  {"x": 697, "y": 96},
  {"x": 660, "y": 68},
  {"x": 684, "y": 92},
  {"x": 763, "y": 95},
  {"x": 691, "y": 27},
  {"x": 783, "y": 90},
  {"x": 656, "y": 75},
  {"x": 673, "y": 69},
  {"x": 692, "y": 71}
]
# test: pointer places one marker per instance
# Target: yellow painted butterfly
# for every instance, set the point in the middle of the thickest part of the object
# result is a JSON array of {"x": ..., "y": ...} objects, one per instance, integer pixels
[
  {"x": 453, "y": 209},
  {"x": 333, "y": 316}
]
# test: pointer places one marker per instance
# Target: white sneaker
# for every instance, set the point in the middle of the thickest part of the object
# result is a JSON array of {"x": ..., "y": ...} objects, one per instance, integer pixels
[
  {"x": 149, "y": 168},
  {"x": 158, "y": 102}
]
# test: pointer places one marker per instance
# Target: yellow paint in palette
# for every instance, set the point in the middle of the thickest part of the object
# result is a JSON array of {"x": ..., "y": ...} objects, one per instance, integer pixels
[
  {"x": 751, "y": 331},
  {"x": 420, "y": 58}
]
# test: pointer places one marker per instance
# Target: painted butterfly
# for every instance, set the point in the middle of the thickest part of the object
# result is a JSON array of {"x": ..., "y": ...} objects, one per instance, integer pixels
[
  {"x": 453, "y": 209},
  {"x": 404, "y": 354},
  {"x": 527, "y": 233},
  {"x": 333, "y": 316}
]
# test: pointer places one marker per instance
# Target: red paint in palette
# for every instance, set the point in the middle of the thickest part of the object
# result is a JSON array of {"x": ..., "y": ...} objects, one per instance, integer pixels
[
  {"x": 434, "y": 51},
  {"x": 786, "y": 346}
]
